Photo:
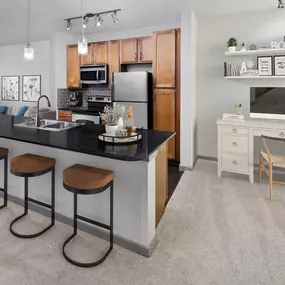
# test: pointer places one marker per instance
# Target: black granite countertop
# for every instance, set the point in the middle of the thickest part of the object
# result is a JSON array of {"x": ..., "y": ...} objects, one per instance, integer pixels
[{"x": 84, "y": 139}]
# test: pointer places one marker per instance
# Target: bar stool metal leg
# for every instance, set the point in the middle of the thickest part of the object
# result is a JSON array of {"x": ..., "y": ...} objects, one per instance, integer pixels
[
  {"x": 110, "y": 228},
  {"x": 5, "y": 189},
  {"x": 26, "y": 205}
]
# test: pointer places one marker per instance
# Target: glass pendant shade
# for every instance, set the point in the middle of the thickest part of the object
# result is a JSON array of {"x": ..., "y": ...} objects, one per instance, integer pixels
[
  {"x": 82, "y": 46},
  {"x": 29, "y": 52}
]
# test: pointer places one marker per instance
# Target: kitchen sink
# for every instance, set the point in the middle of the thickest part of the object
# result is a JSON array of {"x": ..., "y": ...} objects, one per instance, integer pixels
[{"x": 49, "y": 125}]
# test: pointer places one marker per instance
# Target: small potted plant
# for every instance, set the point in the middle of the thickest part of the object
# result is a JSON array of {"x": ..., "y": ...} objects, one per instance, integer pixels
[
  {"x": 232, "y": 45},
  {"x": 238, "y": 108},
  {"x": 111, "y": 117}
]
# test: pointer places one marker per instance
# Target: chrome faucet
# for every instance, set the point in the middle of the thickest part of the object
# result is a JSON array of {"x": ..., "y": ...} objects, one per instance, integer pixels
[{"x": 38, "y": 109}]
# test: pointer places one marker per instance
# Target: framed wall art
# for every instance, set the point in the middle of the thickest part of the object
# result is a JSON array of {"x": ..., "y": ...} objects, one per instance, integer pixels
[
  {"x": 31, "y": 88},
  {"x": 264, "y": 66},
  {"x": 10, "y": 88},
  {"x": 279, "y": 65}
]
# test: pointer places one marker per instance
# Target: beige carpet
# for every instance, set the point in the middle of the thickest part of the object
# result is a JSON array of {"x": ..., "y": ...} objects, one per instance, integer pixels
[{"x": 215, "y": 231}]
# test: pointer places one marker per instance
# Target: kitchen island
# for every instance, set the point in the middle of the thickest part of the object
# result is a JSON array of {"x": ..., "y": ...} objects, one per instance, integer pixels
[{"x": 140, "y": 185}]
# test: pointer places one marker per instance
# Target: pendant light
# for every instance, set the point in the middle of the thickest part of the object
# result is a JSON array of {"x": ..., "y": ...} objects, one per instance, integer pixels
[
  {"x": 82, "y": 42},
  {"x": 29, "y": 51}
]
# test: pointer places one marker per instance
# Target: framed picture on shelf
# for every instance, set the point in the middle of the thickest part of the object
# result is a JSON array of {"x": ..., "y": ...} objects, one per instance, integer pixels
[
  {"x": 264, "y": 66},
  {"x": 10, "y": 88},
  {"x": 31, "y": 89},
  {"x": 279, "y": 65}
]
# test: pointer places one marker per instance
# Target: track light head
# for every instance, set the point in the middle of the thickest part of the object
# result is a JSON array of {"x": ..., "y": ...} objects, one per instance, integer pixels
[
  {"x": 281, "y": 4},
  {"x": 68, "y": 25},
  {"x": 115, "y": 18},
  {"x": 98, "y": 21}
]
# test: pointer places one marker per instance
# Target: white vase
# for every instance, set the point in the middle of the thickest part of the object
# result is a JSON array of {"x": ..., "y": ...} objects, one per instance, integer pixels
[
  {"x": 111, "y": 130},
  {"x": 120, "y": 123},
  {"x": 232, "y": 49}
]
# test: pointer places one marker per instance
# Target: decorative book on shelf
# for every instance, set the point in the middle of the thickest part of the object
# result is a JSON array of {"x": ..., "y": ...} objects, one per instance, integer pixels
[
  {"x": 230, "y": 69},
  {"x": 233, "y": 117}
]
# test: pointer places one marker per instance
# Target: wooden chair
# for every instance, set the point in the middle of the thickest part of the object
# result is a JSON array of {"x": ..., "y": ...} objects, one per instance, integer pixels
[{"x": 272, "y": 160}]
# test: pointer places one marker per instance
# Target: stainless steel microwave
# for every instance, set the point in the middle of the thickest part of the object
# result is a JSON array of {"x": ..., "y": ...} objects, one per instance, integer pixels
[{"x": 94, "y": 74}]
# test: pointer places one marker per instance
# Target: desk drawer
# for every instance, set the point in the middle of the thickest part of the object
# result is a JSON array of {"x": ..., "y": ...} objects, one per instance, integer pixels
[
  {"x": 234, "y": 130},
  {"x": 270, "y": 133},
  {"x": 235, "y": 144},
  {"x": 235, "y": 163}
]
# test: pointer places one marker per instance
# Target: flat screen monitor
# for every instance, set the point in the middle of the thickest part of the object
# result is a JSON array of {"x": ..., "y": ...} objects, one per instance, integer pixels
[{"x": 267, "y": 102}]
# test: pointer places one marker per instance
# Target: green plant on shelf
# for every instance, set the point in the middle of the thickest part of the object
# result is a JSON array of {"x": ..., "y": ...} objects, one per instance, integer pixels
[{"x": 232, "y": 42}]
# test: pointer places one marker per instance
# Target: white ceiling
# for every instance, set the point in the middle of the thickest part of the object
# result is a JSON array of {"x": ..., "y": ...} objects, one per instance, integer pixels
[{"x": 48, "y": 15}]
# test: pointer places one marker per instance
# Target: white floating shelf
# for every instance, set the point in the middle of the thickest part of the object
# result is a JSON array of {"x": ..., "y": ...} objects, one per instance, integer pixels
[
  {"x": 257, "y": 52},
  {"x": 254, "y": 77}
]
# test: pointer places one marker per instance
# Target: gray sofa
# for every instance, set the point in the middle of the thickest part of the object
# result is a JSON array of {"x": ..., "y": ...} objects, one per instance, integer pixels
[{"x": 45, "y": 113}]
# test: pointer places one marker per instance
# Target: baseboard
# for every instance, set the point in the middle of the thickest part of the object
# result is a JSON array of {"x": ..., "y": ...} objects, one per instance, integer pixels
[
  {"x": 100, "y": 233},
  {"x": 186, "y": 168}
]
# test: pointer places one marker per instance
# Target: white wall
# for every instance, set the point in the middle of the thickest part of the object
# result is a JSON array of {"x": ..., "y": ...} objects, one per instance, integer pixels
[
  {"x": 58, "y": 71},
  {"x": 189, "y": 90},
  {"x": 132, "y": 33},
  {"x": 215, "y": 94},
  {"x": 12, "y": 62}
]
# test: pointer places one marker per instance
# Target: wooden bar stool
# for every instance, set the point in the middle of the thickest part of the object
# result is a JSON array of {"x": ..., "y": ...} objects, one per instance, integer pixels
[
  {"x": 27, "y": 166},
  {"x": 4, "y": 155},
  {"x": 86, "y": 180}
]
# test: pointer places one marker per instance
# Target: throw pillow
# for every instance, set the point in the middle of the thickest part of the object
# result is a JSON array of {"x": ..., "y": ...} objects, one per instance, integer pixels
[
  {"x": 21, "y": 111},
  {"x": 3, "y": 109}
]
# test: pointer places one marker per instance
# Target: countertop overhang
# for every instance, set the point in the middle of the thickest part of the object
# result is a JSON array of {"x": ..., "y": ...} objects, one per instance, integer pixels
[{"x": 84, "y": 139}]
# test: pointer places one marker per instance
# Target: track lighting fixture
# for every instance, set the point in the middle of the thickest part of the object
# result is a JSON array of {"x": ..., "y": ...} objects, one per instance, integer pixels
[
  {"x": 68, "y": 25},
  {"x": 115, "y": 18},
  {"x": 98, "y": 21},
  {"x": 97, "y": 16},
  {"x": 281, "y": 4}
]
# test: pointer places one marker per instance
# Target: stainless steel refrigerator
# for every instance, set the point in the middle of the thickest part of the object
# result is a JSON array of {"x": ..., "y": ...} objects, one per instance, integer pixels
[{"x": 135, "y": 89}]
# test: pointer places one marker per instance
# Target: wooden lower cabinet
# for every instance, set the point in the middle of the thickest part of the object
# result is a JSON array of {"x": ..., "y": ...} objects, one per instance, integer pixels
[
  {"x": 73, "y": 67},
  {"x": 161, "y": 182},
  {"x": 65, "y": 115},
  {"x": 164, "y": 115}
]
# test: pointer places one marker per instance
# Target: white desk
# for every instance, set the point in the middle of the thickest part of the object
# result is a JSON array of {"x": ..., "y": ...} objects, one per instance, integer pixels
[{"x": 236, "y": 143}]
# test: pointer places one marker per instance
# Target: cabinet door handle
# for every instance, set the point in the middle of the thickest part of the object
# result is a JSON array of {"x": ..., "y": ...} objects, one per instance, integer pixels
[
  {"x": 234, "y": 130},
  {"x": 234, "y": 162},
  {"x": 234, "y": 144},
  {"x": 140, "y": 56},
  {"x": 282, "y": 135}
]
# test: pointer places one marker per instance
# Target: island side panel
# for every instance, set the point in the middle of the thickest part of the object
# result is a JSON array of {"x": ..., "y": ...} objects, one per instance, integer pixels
[
  {"x": 134, "y": 190},
  {"x": 161, "y": 181}
]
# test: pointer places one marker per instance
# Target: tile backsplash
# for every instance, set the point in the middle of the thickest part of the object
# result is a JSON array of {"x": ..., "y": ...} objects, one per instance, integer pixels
[{"x": 63, "y": 95}]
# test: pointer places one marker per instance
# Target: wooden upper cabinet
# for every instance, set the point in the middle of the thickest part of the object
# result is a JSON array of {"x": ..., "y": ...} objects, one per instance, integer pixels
[
  {"x": 88, "y": 59},
  {"x": 145, "y": 46},
  {"x": 164, "y": 115},
  {"x": 100, "y": 51},
  {"x": 129, "y": 50},
  {"x": 113, "y": 58},
  {"x": 73, "y": 66},
  {"x": 164, "y": 61}
]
